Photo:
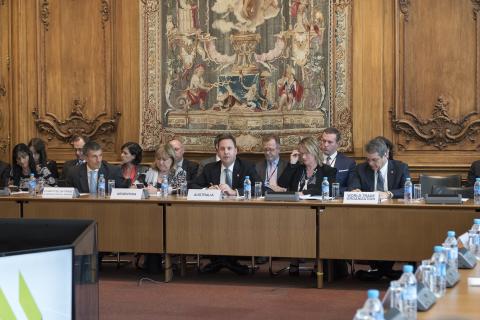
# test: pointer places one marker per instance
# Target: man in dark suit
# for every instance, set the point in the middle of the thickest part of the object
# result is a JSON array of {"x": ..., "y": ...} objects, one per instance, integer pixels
[
  {"x": 77, "y": 142},
  {"x": 473, "y": 173},
  {"x": 378, "y": 173},
  {"x": 4, "y": 174},
  {"x": 387, "y": 177},
  {"x": 270, "y": 169},
  {"x": 228, "y": 175},
  {"x": 214, "y": 158},
  {"x": 329, "y": 144},
  {"x": 84, "y": 177},
  {"x": 190, "y": 167}
]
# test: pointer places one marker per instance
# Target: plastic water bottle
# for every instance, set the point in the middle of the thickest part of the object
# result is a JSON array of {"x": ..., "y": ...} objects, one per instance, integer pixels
[
  {"x": 439, "y": 280},
  {"x": 409, "y": 294},
  {"x": 32, "y": 185},
  {"x": 164, "y": 186},
  {"x": 476, "y": 191},
  {"x": 474, "y": 238},
  {"x": 407, "y": 193},
  {"x": 247, "y": 188},
  {"x": 101, "y": 186},
  {"x": 395, "y": 295},
  {"x": 373, "y": 306},
  {"x": 451, "y": 251},
  {"x": 325, "y": 189},
  {"x": 426, "y": 274}
]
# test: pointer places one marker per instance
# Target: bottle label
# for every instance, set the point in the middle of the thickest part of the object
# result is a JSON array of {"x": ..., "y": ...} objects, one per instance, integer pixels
[
  {"x": 247, "y": 187},
  {"x": 442, "y": 270},
  {"x": 477, "y": 189},
  {"x": 453, "y": 253},
  {"x": 410, "y": 293}
]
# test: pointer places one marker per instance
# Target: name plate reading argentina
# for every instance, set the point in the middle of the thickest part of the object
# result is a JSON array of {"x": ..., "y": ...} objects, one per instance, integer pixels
[
  {"x": 204, "y": 194},
  {"x": 59, "y": 193},
  {"x": 361, "y": 197},
  {"x": 126, "y": 194}
]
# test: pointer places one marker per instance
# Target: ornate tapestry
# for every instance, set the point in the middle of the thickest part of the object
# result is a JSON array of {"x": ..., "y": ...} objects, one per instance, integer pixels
[{"x": 248, "y": 67}]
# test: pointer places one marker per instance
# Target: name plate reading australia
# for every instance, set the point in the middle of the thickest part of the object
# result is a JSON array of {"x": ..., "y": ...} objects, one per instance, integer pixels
[
  {"x": 361, "y": 197},
  {"x": 204, "y": 194},
  {"x": 59, "y": 193},
  {"x": 126, "y": 194}
]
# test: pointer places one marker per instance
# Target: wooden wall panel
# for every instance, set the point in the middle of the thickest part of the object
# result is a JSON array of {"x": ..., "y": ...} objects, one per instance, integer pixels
[
  {"x": 436, "y": 112},
  {"x": 440, "y": 58},
  {"x": 5, "y": 78}
]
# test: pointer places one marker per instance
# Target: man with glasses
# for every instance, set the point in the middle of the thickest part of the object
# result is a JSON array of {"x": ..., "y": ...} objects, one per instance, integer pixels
[
  {"x": 270, "y": 169},
  {"x": 387, "y": 177}
]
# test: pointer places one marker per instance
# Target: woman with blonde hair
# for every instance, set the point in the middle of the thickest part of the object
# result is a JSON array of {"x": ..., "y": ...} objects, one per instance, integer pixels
[
  {"x": 163, "y": 165},
  {"x": 305, "y": 171}
]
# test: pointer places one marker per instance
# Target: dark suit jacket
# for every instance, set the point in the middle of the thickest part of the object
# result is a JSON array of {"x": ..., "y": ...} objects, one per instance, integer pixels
[
  {"x": 67, "y": 166},
  {"x": 261, "y": 167},
  {"x": 363, "y": 177},
  {"x": 191, "y": 168},
  {"x": 211, "y": 175},
  {"x": 4, "y": 174},
  {"x": 293, "y": 174},
  {"x": 345, "y": 167},
  {"x": 204, "y": 162},
  {"x": 77, "y": 176},
  {"x": 473, "y": 173}
]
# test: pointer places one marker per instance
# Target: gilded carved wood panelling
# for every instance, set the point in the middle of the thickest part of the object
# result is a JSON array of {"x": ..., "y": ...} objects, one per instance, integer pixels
[
  {"x": 75, "y": 73},
  {"x": 437, "y": 89}
]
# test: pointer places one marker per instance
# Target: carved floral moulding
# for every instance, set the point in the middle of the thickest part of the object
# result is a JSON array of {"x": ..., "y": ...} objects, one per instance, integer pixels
[
  {"x": 440, "y": 131},
  {"x": 77, "y": 123}
]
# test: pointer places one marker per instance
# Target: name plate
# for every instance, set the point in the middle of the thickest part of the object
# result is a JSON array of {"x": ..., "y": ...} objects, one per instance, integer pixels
[
  {"x": 361, "y": 197},
  {"x": 59, "y": 193},
  {"x": 127, "y": 194},
  {"x": 204, "y": 194}
]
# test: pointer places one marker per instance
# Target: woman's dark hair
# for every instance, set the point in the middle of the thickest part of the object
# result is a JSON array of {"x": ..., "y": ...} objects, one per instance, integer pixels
[
  {"x": 389, "y": 145},
  {"x": 16, "y": 169},
  {"x": 39, "y": 147},
  {"x": 135, "y": 150}
]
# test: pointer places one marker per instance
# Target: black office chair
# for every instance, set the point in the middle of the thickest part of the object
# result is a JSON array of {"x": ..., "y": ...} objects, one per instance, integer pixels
[
  {"x": 428, "y": 182},
  {"x": 465, "y": 192}
]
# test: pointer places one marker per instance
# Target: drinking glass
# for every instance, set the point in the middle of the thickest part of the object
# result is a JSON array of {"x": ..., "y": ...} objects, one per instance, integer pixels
[
  {"x": 335, "y": 190},
  {"x": 258, "y": 190},
  {"x": 111, "y": 186},
  {"x": 417, "y": 192}
]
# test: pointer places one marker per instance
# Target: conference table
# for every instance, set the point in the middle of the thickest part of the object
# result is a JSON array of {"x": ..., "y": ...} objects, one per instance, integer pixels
[{"x": 391, "y": 230}]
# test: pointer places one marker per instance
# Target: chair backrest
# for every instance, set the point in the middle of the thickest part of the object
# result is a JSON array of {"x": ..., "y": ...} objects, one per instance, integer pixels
[
  {"x": 465, "y": 192},
  {"x": 428, "y": 182}
]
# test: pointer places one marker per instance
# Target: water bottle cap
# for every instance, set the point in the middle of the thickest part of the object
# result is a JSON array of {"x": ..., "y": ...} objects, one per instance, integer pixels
[
  {"x": 325, "y": 178},
  {"x": 373, "y": 294},
  {"x": 32, "y": 175},
  {"x": 408, "y": 179},
  {"x": 408, "y": 268},
  {"x": 247, "y": 177},
  {"x": 438, "y": 249},
  {"x": 451, "y": 233},
  {"x": 476, "y": 221},
  {"x": 101, "y": 174},
  {"x": 477, "y": 179}
]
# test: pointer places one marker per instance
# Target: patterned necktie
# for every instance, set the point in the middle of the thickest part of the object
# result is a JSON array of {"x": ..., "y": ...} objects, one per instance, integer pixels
[
  {"x": 93, "y": 182},
  {"x": 329, "y": 161},
  {"x": 380, "y": 182},
  {"x": 228, "y": 177}
]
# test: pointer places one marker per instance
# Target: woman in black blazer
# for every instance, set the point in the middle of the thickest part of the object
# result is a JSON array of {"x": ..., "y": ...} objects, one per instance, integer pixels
[{"x": 306, "y": 170}]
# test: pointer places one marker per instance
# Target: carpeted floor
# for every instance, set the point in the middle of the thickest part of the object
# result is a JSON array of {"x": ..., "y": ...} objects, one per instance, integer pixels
[{"x": 123, "y": 295}]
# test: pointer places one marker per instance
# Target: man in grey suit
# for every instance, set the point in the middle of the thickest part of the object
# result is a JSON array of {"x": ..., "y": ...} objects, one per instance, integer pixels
[{"x": 270, "y": 169}]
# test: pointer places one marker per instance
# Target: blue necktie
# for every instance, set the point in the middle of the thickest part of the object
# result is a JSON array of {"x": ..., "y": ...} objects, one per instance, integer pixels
[
  {"x": 228, "y": 177},
  {"x": 93, "y": 182},
  {"x": 380, "y": 182}
]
